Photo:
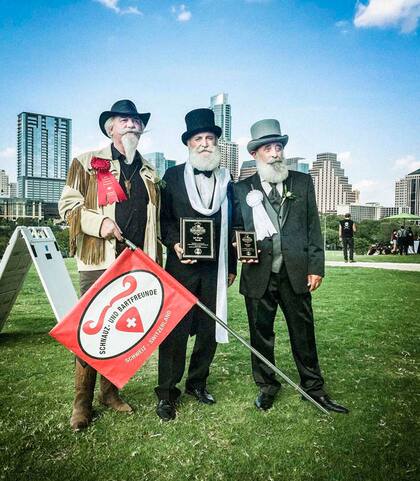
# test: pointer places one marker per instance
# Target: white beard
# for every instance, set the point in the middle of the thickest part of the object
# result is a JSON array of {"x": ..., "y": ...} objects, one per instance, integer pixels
[
  {"x": 209, "y": 162},
  {"x": 130, "y": 141},
  {"x": 275, "y": 173}
]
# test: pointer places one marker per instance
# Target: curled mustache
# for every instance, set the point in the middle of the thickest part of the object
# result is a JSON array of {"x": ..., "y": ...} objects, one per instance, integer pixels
[{"x": 134, "y": 131}]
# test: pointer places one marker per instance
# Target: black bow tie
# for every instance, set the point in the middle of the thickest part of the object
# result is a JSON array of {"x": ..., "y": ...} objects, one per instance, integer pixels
[{"x": 207, "y": 173}]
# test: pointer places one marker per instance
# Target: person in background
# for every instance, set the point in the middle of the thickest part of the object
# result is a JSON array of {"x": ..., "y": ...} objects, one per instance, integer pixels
[{"x": 346, "y": 231}]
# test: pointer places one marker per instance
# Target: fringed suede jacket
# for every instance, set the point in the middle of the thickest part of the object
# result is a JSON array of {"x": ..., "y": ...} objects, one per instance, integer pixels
[{"x": 78, "y": 205}]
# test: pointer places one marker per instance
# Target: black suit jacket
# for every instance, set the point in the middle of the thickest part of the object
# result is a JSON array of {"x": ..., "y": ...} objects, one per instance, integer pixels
[
  {"x": 176, "y": 204},
  {"x": 302, "y": 244}
]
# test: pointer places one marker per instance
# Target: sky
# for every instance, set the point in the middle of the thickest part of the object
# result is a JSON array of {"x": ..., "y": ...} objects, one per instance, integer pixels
[{"x": 340, "y": 76}]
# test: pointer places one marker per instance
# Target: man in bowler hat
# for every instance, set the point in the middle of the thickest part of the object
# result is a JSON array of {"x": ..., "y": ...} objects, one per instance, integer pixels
[
  {"x": 198, "y": 189},
  {"x": 279, "y": 205},
  {"x": 100, "y": 215}
]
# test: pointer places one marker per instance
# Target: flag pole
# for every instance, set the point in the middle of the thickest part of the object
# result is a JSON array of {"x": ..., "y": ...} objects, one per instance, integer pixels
[
  {"x": 259, "y": 355},
  {"x": 248, "y": 346}
]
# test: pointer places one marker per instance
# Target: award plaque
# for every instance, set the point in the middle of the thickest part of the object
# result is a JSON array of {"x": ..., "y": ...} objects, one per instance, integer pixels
[
  {"x": 197, "y": 238},
  {"x": 246, "y": 245}
]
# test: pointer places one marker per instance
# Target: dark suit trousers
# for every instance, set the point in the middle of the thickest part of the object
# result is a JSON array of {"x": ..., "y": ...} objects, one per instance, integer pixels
[
  {"x": 348, "y": 247},
  {"x": 173, "y": 350},
  {"x": 297, "y": 310}
]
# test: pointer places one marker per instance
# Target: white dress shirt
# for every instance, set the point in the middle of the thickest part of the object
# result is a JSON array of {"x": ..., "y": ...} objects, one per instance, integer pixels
[
  {"x": 267, "y": 187},
  {"x": 205, "y": 186}
]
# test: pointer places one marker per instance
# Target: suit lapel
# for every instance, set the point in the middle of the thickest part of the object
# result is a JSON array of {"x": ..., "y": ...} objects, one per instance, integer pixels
[
  {"x": 255, "y": 183},
  {"x": 286, "y": 204}
]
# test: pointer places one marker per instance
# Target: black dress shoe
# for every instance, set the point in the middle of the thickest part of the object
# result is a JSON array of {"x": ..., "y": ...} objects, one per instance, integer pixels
[
  {"x": 264, "y": 401},
  {"x": 165, "y": 409},
  {"x": 327, "y": 403},
  {"x": 201, "y": 394}
]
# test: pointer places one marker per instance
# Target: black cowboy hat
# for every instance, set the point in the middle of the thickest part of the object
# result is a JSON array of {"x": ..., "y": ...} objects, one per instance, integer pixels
[
  {"x": 122, "y": 108},
  {"x": 200, "y": 120}
]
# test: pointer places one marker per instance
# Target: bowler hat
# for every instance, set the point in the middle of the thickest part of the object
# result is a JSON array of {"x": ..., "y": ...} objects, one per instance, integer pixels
[
  {"x": 122, "y": 108},
  {"x": 264, "y": 132},
  {"x": 200, "y": 120}
]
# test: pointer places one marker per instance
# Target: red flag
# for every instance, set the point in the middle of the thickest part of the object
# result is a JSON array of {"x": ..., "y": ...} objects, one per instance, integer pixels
[{"x": 124, "y": 316}]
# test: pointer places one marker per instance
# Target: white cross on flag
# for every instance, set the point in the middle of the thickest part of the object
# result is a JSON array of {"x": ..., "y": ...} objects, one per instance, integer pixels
[{"x": 124, "y": 316}]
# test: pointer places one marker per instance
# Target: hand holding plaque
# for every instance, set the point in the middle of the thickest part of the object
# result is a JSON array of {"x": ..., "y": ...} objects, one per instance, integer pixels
[
  {"x": 246, "y": 245},
  {"x": 197, "y": 238}
]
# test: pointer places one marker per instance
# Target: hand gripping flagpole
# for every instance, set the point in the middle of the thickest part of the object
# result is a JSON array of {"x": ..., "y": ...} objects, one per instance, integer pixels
[{"x": 247, "y": 345}]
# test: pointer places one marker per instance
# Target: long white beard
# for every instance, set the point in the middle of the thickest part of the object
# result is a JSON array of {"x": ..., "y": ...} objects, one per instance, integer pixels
[
  {"x": 130, "y": 141},
  {"x": 275, "y": 173},
  {"x": 209, "y": 162}
]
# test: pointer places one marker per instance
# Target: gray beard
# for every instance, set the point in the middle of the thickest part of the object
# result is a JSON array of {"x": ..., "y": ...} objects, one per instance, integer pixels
[
  {"x": 130, "y": 142},
  {"x": 208, "y": 163},
  {"x": 274, "y": 173}
]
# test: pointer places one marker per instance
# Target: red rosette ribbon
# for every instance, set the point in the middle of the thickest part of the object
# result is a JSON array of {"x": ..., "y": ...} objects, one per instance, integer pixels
[{"x": 109, "y": 190}]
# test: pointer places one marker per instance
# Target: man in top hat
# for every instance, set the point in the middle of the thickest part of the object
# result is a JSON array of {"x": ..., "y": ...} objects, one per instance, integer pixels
[
  {"x": 200, "y": 188},
  {"x": 279, "y": 205},
  {"x": 110, "y": 194}
]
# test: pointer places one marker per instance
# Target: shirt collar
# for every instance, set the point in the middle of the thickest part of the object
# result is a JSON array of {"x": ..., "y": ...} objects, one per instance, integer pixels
[{"x": 267, "y": 187}]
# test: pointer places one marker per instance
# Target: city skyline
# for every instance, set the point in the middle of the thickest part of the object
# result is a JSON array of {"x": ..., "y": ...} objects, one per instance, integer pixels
[{"x": 340, "y": 76}]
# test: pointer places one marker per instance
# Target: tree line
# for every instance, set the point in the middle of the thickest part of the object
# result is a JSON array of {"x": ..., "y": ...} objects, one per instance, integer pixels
[{"x": 368, "y": 232}]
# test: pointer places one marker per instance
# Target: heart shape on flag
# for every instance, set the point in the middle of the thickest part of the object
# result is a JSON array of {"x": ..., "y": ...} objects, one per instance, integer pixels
[{"x": 130, "y": 321}]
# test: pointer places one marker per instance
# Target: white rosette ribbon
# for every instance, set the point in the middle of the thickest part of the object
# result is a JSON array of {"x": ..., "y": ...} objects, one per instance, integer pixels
[{"x": 262, "y": 222}]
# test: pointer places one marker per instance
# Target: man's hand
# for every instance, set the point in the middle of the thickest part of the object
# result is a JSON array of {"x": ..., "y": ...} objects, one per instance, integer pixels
[
  {"x": 249, "y": 261},
  {"x": 314, "y": 282},
  {"x": 231, "y": 279},
  {"x": 179, "y": 251},
  {"x": 109, "y": 230}
]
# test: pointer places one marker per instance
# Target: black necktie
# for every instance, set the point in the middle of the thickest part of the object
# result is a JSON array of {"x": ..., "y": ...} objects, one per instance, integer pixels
[
  {"x": 274, "y": 197},
  {"x": 207, "y": 173}
]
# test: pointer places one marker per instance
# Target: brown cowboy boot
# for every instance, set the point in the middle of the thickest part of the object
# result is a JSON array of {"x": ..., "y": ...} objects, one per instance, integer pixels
[
  {"x": 85, "y": 378},
  {"x": 109, "y": 396}
]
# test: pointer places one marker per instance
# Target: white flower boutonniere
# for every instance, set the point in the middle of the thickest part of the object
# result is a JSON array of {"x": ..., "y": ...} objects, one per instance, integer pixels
[{"x": 287, "y": 195}]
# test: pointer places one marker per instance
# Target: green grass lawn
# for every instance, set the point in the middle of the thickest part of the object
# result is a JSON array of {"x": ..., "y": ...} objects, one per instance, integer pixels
[
  {"x": 410, "y": 259},
  {"x": 367, "y": 331}
]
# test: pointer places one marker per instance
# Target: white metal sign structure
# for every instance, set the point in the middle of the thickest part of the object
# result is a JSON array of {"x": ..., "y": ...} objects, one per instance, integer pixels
[{"x": 37, "y": 245}]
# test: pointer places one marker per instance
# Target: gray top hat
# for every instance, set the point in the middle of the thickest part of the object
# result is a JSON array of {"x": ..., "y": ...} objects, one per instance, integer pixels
[{"x": 264, "y": 132}]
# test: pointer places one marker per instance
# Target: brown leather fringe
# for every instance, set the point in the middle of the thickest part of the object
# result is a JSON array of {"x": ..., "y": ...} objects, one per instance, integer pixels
[
  {"x": 74, "y": 221},
  {"x": 92, "y": 250},
  {"x": 77, "y": 177},
  {"x": 91, "y": 197}
]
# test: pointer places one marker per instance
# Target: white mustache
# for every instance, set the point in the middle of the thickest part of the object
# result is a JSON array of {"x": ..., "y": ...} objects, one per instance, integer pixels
[
  {"x": 135, "y": 131},
  {"x": 204, "y": 149}
]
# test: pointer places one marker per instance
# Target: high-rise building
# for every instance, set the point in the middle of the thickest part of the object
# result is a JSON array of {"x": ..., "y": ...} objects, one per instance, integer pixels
[
  {"x": 248, "y": 168},
  {"x": 222, "y": 114},
  {"x": 223, "y": 118},
  {"x": 401, "y": 197},
  {"x": 292, "y": 163},
  {"x": 295, "y": 163},
  {"x": 4, "y": 184},
  {"x": 12, "y": 190},
  {"x": 303, "y": 167},
  {"x": 414, "y": 192},
  {"x": 157, "y": 159},
  {"x": 331, "y": 185},
  {"x": 43, "y": 156},
  {"x": 159, "y": 162},
  {"x": 407, "y": 192},
  {"x": 170, "y": 163},
  {"x": 230, "y": 157}
]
